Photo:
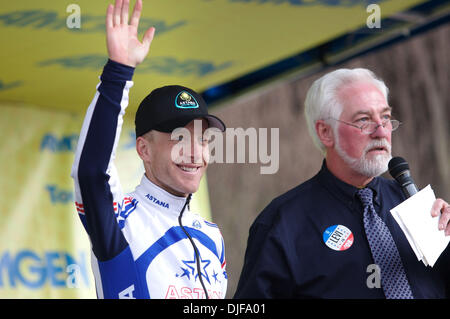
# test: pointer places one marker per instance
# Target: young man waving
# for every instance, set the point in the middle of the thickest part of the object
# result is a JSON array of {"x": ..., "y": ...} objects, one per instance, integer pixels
[{"x": 146, "y": 244}]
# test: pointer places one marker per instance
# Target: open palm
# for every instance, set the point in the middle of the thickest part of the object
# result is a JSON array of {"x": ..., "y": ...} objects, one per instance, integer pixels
[{"x": 121, "y": 38}]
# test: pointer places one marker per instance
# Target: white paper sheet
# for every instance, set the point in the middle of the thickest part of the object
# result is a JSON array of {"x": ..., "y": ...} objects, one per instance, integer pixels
[{"x": 420, "y": 228}]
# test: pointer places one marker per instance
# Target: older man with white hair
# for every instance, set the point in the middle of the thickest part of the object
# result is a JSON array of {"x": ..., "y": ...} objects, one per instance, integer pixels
[{"x": 333, "y": 236}]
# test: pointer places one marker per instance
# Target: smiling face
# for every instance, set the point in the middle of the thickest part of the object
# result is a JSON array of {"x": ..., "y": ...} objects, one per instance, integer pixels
[
  {"x": 178, "y": 172},
  {"x": 358, "y": 157}
]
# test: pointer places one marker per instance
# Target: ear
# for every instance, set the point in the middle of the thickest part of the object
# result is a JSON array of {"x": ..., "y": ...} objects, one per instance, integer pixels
[
  {"x": 143, "y": 148},
  {"x": 325, "y": 133}
]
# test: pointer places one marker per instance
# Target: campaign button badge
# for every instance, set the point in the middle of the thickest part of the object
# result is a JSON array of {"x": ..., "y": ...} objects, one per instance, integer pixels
[{"x": 338, "y": 237}]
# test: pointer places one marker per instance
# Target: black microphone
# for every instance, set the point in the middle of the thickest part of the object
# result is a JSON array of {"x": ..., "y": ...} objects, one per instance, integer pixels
[{"x": 399, "y": 169}]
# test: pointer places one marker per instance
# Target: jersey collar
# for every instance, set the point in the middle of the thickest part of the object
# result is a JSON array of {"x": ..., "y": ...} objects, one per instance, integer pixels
[{"x": 160, "y": 198}]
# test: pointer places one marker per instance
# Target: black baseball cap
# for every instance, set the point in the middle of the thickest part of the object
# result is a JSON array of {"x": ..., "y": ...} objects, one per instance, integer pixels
[{"x": 169, "y": 107}]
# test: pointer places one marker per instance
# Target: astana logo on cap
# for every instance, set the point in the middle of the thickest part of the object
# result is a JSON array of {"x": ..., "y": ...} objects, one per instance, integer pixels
[{"x": 185, "y": 100}]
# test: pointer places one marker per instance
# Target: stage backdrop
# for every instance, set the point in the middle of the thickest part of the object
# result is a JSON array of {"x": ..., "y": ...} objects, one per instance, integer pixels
[
  {"x": 51, "y": 58},
  {"x": 44, "y": 250}
]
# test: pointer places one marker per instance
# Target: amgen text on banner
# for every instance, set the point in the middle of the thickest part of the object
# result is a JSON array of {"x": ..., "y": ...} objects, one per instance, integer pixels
[{"x": 33, "y": 270}]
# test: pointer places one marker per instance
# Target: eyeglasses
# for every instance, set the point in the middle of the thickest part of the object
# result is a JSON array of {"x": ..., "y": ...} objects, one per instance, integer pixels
[{"x": 371, "y": 127}]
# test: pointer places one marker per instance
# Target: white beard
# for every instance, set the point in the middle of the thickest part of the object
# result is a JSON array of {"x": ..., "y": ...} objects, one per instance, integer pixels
[{"x": 367, "y": 167}]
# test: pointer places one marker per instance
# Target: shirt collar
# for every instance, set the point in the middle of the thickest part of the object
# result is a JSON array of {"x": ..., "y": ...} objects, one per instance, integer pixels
[
  {"x": 344, "y": 191},
  {"x": 160, "y": 198}
]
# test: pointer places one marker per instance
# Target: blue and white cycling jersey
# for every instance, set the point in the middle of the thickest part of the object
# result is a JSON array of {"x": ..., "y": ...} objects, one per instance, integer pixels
[{"x": 138, "y": 248}]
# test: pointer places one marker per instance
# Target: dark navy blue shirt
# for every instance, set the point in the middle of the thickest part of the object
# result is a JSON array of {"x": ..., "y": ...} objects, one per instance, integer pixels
[{"x": 287, "y": 257}]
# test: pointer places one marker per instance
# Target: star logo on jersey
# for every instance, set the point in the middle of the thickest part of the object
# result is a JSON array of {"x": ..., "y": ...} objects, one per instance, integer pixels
[
  {"x": 186, "y": 273},
  {"x": 191, "y": 269},
  {"x": 122, "y": 211},
  {"x": 214, "y": 275}
]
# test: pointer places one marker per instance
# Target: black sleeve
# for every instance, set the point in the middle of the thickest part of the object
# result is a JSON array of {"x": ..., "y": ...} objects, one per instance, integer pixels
[{"x": 266, "y": 272}]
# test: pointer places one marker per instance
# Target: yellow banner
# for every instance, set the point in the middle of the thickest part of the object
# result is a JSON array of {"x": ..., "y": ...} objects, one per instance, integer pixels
[
  {"x": 44, "y": 250},
  {"x": 53, "y": 51}
]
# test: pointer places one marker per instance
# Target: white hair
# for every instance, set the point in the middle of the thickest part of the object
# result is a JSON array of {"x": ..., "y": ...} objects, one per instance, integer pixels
[{"x": 322, "y": 100}]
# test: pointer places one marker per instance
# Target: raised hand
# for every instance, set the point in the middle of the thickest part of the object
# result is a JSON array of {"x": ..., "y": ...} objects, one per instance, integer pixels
[{"x": 121, "y": 38}]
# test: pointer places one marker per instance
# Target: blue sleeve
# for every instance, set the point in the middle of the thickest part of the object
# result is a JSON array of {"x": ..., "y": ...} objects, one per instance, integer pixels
[{"x": 97, "y": 189}]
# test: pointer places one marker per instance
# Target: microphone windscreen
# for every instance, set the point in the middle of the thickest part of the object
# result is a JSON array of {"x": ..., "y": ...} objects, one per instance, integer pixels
[{"x": 397, "y": 165}]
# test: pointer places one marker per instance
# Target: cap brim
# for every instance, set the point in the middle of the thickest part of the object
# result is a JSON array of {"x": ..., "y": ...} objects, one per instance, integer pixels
[
  {"x": 214, "y": 121},
  {"x": 170, "y": 126}
]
